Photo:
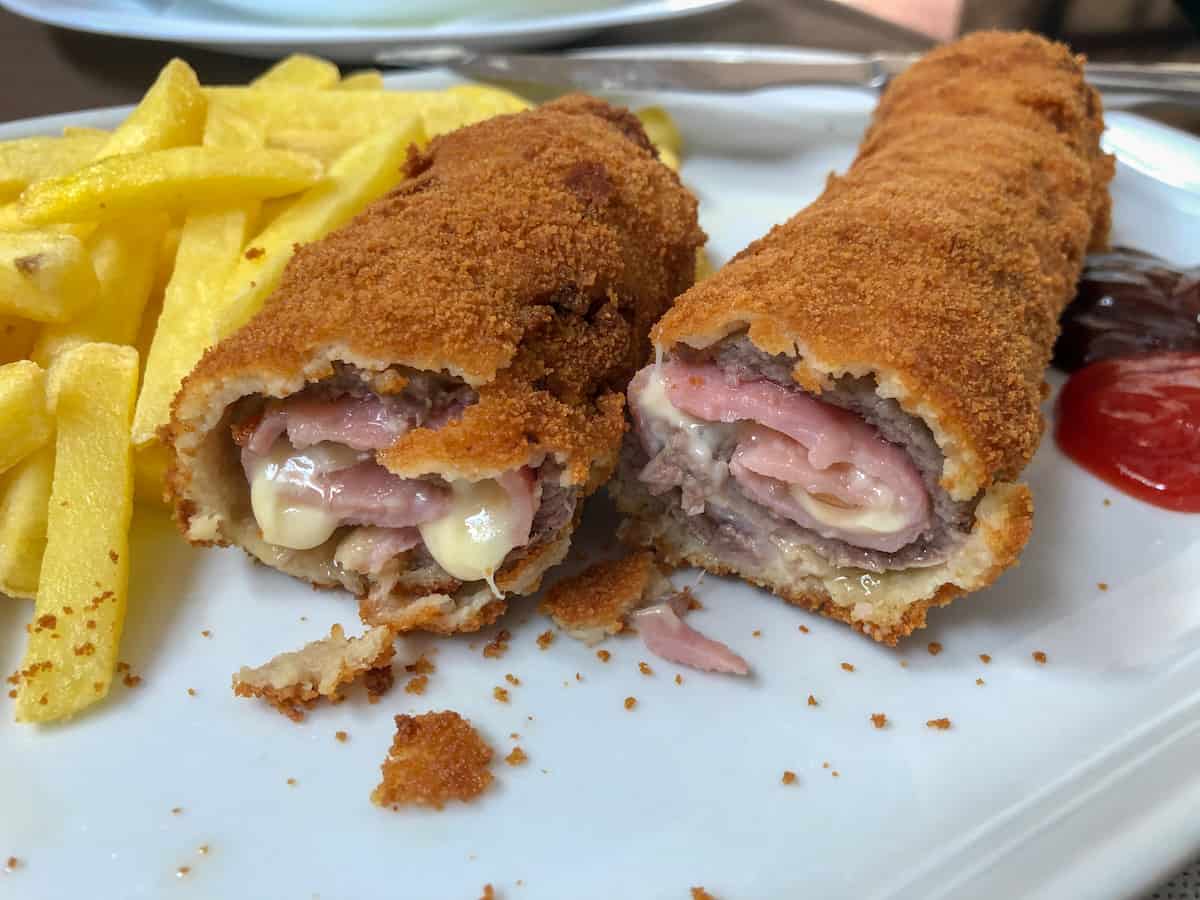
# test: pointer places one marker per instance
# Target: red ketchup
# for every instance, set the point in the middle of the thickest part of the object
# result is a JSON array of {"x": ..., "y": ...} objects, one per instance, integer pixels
[
  {"x": 1131, "y": 414},
  {"x": 1135, "y": 422}
]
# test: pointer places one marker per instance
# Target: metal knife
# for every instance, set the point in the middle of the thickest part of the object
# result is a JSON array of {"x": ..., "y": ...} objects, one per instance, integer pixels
[{"x": 732, "y": 69}]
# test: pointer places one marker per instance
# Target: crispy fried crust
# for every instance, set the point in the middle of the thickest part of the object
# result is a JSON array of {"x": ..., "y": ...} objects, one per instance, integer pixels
[
  {"x": 939, "y": 263},
  {"x": 593, "y": 604},
  {"x": 294, "y": 681},
  {"x": 528, "y": 255},
  {"x": 434, "y": 758}
]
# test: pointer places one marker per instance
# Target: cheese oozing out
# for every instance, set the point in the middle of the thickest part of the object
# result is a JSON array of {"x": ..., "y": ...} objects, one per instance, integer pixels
[
  {"x": 284, "y": 520},
  {"x": 475, "y": 535}
]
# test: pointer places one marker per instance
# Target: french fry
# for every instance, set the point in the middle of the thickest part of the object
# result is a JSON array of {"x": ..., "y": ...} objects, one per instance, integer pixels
[
  {"x": 325, "y": 146},
  {"x": 70, "y": 131},
  {"x": 150, "y": 474},
  {"x": 162, "y": 276},
  {"x": 364, "y": 172},
  {"x": 661, "y": 129},
  {"x": 210, "y": 245},
  {"x": 366, "y": 80},
  {"x": 299, "y": 70},
  {"x": 81, "y": 595},
  {"x": 45, "y": 276},
  {"x": 24, "y": 502},
  {"x": 27, "y": 160},
  {"x": 125, "y": 273},
  {"x": 171, "y": 114},
  {"x": 361, "y": 113},
  {"x": 668, "y": 159},
  {"x": 173, "y": 179},
  {"x": 16, "y": 338},
  {"x": 24, "y": 422},
  {"x": 11, "y": 221},
  {"x": 467, "y": 104}
]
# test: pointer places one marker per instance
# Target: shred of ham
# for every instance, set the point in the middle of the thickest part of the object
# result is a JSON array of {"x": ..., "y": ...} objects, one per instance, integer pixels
[
  {"x": 667, "y": 636},
  {"x": 524, "y": 493},
  {"x": 362, "y": 423}
]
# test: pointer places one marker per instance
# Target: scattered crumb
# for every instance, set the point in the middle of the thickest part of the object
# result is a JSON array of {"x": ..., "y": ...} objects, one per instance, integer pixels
[
  {"x": 904, "y": 663},
  {"x": 340, "y": 736},
  {"x": 202, "y": 849},
  {"x": 788, "y": 777},
  {"x": 545, "y": 639},
  {"x": 804, "y": 629},
  {"x": 304, "y": 618},
  {"x": 756, "y": 633},
  {"x": 934, "y": 648},
  {"x": 836, "y": 774},
  {"x": 1107, "y": 502},
  {"x": 940, "y": 724},
  {"x": 514, "y": 735},
  {"x": 291, "y": 782},
  {"x": 1039, "y": 657},
  {"x": 812, "y": 701},
  {"x": 292, "y": 682},
  {"x": 678, "y": 678},
  {"x": 979, "y": 681},
  {"x": 500, "y": 694},
  {"x": 984, "y": 658},
  {"x": 699, "y": 893},
  {"x": 825, "y": 765},
  {"x": 113, "y": 556},
  {"x": 434, "y": 758},
  {"x": 630, "y": 702},
  {"x": 879, "y": 720},
  {"x": 206, "y": 633},
  {"x": 593, "y": 604},
  {"x": 176, "y": 810},
  {"x": 497, "y": 646},
  {"x": 182, "y": 871},
  {"x": 848, "y": 667},
  {"x": 122, "y": 667},
  {"x": 1103, "y": 585},
  {"x": 578, "y": 677},
  {"x": 417, "y": 684},
  {"x": 603, "y": 655},
  {"x": 488, "y": 893},
  {"x": 11, "y": 864},
  {"x": 517, "y": 757},
  {"x": 378, "y": 681},
  {"x": 191, "y": 692},
  {"x": 512, "y": 679},
  {"x": 254, "y": 252},
  {"x": 645, "y": 669},
  {"x": 422, "y": 666}
]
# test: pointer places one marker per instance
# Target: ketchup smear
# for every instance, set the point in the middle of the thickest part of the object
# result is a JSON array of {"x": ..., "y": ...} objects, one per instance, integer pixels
[{"x": 1135, "y": 422}]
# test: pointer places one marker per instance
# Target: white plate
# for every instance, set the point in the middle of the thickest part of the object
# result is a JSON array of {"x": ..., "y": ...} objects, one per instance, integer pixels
[
  {"x": 209, "y": 25},
  {"x": 1073, "y": 779}
]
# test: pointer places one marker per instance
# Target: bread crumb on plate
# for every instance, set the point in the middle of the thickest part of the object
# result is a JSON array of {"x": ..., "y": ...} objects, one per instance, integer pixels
[
  {"x": 593, "y": 605},
  {"x": 434, "y": 758}
]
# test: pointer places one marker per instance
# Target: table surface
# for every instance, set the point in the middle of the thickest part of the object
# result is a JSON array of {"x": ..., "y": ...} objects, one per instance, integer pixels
[{"x": 45, "y": 70}]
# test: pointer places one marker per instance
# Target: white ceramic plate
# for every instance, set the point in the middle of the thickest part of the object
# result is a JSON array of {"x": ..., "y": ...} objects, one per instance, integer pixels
[
  {"x": 1077, "y": 778},
  {"x": 210, "y": 25}
]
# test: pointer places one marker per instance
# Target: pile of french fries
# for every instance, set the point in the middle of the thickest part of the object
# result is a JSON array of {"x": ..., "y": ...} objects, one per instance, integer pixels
[{"x": 124, "y": 255}]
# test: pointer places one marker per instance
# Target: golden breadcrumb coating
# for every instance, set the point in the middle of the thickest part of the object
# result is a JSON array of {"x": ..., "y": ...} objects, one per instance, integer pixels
[
  {"x": 294, "y": 681},
  {"x": 941, "y": 260},
  {"x": 434, "y": 758},
  {"x": 593, "y": 604}
]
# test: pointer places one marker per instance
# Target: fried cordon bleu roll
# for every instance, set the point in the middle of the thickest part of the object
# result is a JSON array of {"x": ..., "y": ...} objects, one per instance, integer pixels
[
  {"x": 840, "y": 413},
  {"x": 420, "y": 409}
]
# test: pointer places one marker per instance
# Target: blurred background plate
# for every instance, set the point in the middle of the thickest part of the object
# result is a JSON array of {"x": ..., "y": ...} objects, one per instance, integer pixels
[{"x": 353, "y": 31}]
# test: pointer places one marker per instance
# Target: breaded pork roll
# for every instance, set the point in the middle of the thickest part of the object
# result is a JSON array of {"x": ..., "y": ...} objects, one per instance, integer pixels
[
  {"x": 840, "y": 414},
  {"x": 418, "y": 412}
]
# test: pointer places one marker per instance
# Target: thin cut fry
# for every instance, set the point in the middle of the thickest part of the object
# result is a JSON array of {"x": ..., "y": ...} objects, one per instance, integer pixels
[
  {"x": 125, "y": 272},
  {"x": 24, "y": 500},
  {"x": 661, "y": 129},
  {"x": 209, "y": 248},
  {"x": 466, "y": 105},
  {"x": 366, "y": 80},
  {"x": 150, "y": 474},
  {"x": 171, "y": 114},
  {"x": 325, "y": 146},
  {"x": 299, "y": 70},
  {"x": 24, "y": 422},
  {"x": 80, "y": 611},
  {"x": 11, "y": 221},
  {"x": 45, "y": 276},
  {"x": 27, "y": 160},
  {"x": 173, "y": 179},
  {"x": 361, "y": 113},
  {"x": 366, "y": 171}
]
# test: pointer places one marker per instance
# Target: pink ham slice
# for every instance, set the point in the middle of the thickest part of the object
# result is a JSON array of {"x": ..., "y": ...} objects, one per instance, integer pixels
[
  {"x": 362, "y": 423},
  {"x": 667, "y": 636},
  {"x": 825, "y": 451},
  {"x": 525, "y": 495}
]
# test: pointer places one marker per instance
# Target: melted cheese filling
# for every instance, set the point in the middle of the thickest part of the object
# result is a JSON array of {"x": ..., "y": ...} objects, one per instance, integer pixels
[
  {"x": 471, "y": 540},
  {"x": 284, "y": 520}
]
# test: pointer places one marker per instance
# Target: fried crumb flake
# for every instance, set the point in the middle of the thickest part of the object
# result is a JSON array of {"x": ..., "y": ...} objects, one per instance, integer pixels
[
  {"x": 1039, "y": 657},
  {"x": 804, "y": 629},
  {"x": 934, "y": 648},
  {"x": 202, "y": 849},
  {"x": 1102, "y": 585},
  {"x": 812, "y": 701},
  {"x": 191, "y": 692},
  {"x": 699, "y": 893},
  {"x": 594, "y": 604},
  {"x": 434, "y": 758},
  {"x": 488, "y": 893},
  {"x": 847, "y": 667},
  {"x": 984, "y": 658},
  {"x": 423, "y": 665},
  {"x": 512, "y": 679},
  {"x": 11, "y": 864},
  {"x": 678, "y": 678},
  {"x": 182, "y": 871},
  {"x": 497, "y": 646},
  {"x": 500, "y": 694},
  {"x": 341, "y": 737},
  {"x": 603, "y": 655},
  {"x": 789, "y": 777},
  {"x": 378, "y": 681},
  {"x": 879, "y": 720},
  {"x": 206, "y": 633},
  {"x": 417, "y": 684},
  {"x": 645, "y": 669},
  {"x": 294, "y": 681},
  {"x": 176, "y": 810},
  {"x": 291, "y": 782},
  {"x": 630, "y": 702},
  {"x": 979, "y": 681},
  {"x": 517, "y": 757},
  {"x": 939, "y": 724},
  {"x": 545, "y": 639},
  {"x": 757, "y": 632},
  {"x": 835, "y": 773}
]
